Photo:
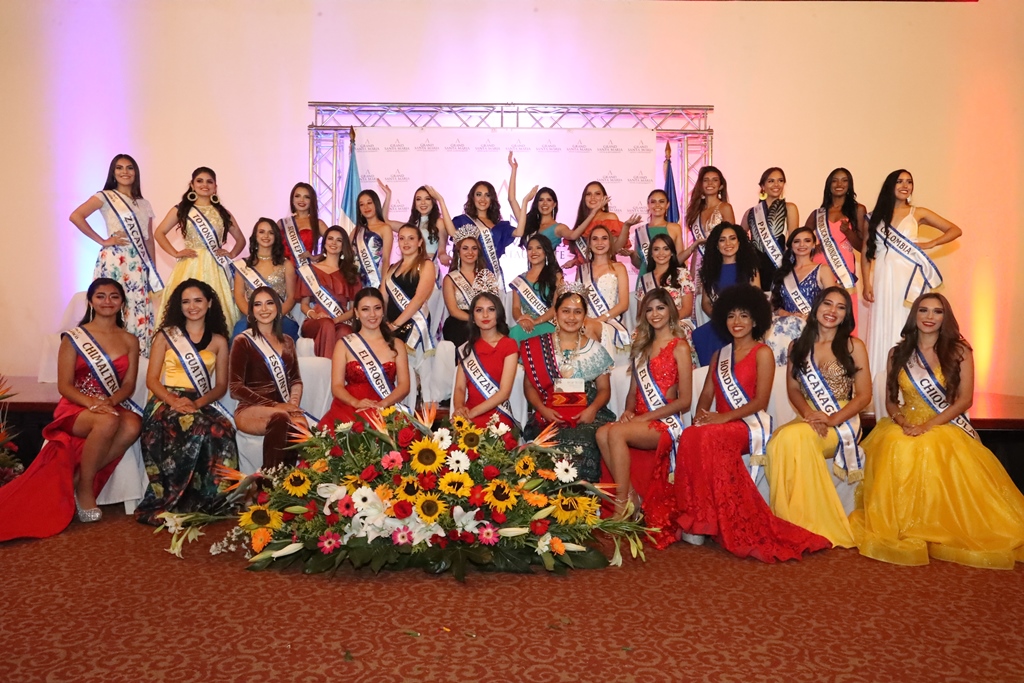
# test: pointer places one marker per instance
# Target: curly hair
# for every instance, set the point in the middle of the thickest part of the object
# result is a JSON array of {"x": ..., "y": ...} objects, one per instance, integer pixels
[
  {"x": 840, "y": 343},
  {"x": 533, "y": 217},
  {"x": 671, "y": 276},
  {"x": 214, "y": 321},
  {"x": 950, "y": 348},
  {"x": 432, "y": 216},
  {"x": 493, "y": 211},
  {"x": 697, "y": 199},
  {"x": 885, "y": 207},
  {"x": 789, "y": 264},
  {"x": 474, "y": 331},
  {"x": 746, "y": 298},
  {"x": 186, "y": 204},
  {"x": 385, "y": 326},
  {"x": 96, "y": 284},
  {"x": 644, "y": 332},
  {"x": 314, "y": 211},
  {"x": 111, "y": 183},
  {"x": 711, "y": 267},
  {"x": 276, "y": 249}
]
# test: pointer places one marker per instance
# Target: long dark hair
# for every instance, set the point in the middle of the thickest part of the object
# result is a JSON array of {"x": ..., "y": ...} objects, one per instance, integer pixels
[
  {"x": 582, "y": 212},
  {"x": 480, "y": 264},
  {"x": 185, "y": 205},
  {"x": 840, "y": 344},
  {"x": 96, "y": 284},
  {"x": 548, "y": 278},
  {"x": 347, "y": 259},
  {"x": 950, "y": 348},
  {"x": 493, "y": 211},
  {"x": 711, "y": 267},
  {"x": 214, "y": 322},
  {"x": 768, "y": 172},
  {"x": 849, "y": 201},
  {"x": 361, "y": 221},
  {"x": 111, "y": 183},
  {"x": 276, "y": 249},
  {"x": 671, "y": 276},
  {"x": 277, "y": 326},
  {"x": 533, "y": 216},
  {"x": 697, "y": 199},
  {"x": 499, "y": 312},
  {"x": 314, "y": 212},
  {"x": 432, "y": 218},
  {"x": 788, "y": 265},
  {"x": 885, "y": 206},
  {"x": 385, "y": 326}
]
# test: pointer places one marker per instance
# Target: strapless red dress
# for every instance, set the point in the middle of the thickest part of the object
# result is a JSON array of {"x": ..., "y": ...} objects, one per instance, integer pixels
[
  {"x": 41, "y": 502},
  {"x": 357, "y": 384}
]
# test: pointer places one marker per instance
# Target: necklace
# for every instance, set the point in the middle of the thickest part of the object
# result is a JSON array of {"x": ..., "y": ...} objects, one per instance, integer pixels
[
  {"x": 264, "y": 258},
  {"x": 567, "y": 357}
]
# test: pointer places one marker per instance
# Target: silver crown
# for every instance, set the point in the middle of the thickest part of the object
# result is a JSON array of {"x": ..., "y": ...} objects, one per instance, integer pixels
[
  {"x": 485, "y": 281},
  {"x": 467, "y": 232},
  {"x": 574, "y": 288}
]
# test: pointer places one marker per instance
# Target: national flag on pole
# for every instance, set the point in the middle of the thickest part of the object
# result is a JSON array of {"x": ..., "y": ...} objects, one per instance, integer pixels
[
  {"x": 353, "y": 186},
  {"x": 670, "y": 188}
]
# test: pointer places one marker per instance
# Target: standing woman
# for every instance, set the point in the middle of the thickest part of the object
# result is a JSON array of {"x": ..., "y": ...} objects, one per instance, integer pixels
[
  {"x": 326, "y": 292},
  {"x": 568, "y": 383},
  {"x": 797, "y": 284},
  {"x": 126, "y": 255},
  {"x": 895, "y": 266},
  {"x": 266, "y": 265},
  {"x": 715, "y": 492},
  {"x": 657, "y": 224},
  {"x": 368, "y": 369},
  {"x": 186, "y": 432},
  {"x": 732, "y": 261},
  {"x": 94, "y": 423},
  {"x": 371, "y": 240},
  {"x": 535, "y": 291},
  {"x": 495, "y": 235},
  {"x": 204, "y": 223},
  {"x": 930, "y": 487},
  {"x": 430, "y": 215},
  {"x": 637, "y": 449},
  {"x": 408, "y": 287},
  {"x": 592, "y": 212},
  {"x": 769, "y": 221},
  {"x": 828, "y": 382},
  {"x": 487, "y": 366},
  {"x": 841, "y": 225},
  {"x": 265, "y": 379},
  {"x": 541, "y": 218},
  {"x": 606, "y": 288},
  {"x": 709, "y": 205},
  {"x": 303, "y": 228}
]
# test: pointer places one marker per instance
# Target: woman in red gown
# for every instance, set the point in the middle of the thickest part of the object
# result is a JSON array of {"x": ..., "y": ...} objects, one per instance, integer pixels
[
  {"x": 715, "y": 494},
  {"x": 305, "y": 221},
  {"x": 90, "y": 429},
  {"x": 487, "y": 365},
  {"x": 337, "y": 274},
  {"x": 368, "y": 369}
]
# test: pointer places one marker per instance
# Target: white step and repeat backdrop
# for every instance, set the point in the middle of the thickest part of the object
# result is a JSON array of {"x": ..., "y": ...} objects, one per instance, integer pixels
[{"x": 452, "y": 160}]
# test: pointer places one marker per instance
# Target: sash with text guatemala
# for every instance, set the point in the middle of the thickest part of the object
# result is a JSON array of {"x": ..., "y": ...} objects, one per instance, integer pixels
[
  {"x": 372, "y": 367},
  {"x": 653, "y": 398},
  {"x": 759, "y": 425},
  {"x": 321, "y": 295},
  {"x": 277, "y": 369},
  {"x": 193, "y": 365},
  {"x": 528, "y": 296},
  {"x": 598, "y": 305},
  {"x": 100, "y": 365},
  {"x": 848, "y": 461},
  {"x": 130, "y": 222},
  {"x": 791, "y": 289},
  {"x": 830, "y": 249},
  {"x": 291, "y": 236},
  {"x": 370, "y": 268},
  {"x": 764, "y": 234},
  {"x": 210, "y": 240},
  {"x": 490, "y": 252},
  {"x": 932, "y": 391},
  {"x": 419, "y": 336},
  {"x": 926, "y": 276},
  {"x": 483, "y": 382}
]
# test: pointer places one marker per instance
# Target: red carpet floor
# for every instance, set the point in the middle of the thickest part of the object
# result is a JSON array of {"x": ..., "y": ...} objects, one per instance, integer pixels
[{"x": 105, "y": 603}]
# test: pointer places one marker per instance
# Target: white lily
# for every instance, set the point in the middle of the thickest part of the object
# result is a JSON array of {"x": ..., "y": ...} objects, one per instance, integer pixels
[
  {"x": 465, "y": 520},
  {"x": 509, "y": 532},
  {"x": 544, "y": 544},
  {"x": 332, "y": 493},
  {"x": 287, "y": 550}
]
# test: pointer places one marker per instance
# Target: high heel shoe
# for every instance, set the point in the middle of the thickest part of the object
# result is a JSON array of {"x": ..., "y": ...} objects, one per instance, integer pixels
[{"x": 87, "y": 516}]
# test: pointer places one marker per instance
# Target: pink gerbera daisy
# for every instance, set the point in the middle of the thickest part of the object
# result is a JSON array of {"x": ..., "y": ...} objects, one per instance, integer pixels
[
  {"x": 401, "y": 536},
  {"x": 391, "y": 461},
  {"x": 329, "y": 542},
  {"x": 346, "y": 506},
  {"x": 487, "y": 534}
]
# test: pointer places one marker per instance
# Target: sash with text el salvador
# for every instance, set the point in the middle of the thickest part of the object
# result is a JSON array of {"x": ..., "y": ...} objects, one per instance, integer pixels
[
  {"x": 654, "y": 398},
  {"x": 100, "y": 365},
  {"x": 764, "y": 234},
  {"x": 483, "y": 382},
  {"x": 848, "y": 461},
  {"x": 759, "y": 425},
  {"x": 193, "y": 365},
  {"x": 210, "y": 240},
  {"x": 130, "y": 222},
  {"x": 830, "y": 249},
  {"x": 933, "y": 392},
  {"x": 598, "y": 305}
]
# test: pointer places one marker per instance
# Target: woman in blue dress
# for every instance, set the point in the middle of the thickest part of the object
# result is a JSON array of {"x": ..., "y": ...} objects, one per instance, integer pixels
[
  {"x": 534, "y": 291},
  {"x": 495, "y": 235},
  {"x": 371, "y": 240}
]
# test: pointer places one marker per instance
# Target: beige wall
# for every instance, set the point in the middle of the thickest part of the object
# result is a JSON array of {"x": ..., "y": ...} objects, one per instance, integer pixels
[{"x": 872, "y": 86}]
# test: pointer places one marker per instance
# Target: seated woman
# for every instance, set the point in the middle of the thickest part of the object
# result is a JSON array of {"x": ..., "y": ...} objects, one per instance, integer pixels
[
  {"x": 535, "y": 291},
  {"x": 407, "y": 287},
  {"x": 265, "y": 379},
  {"x": 94, "y": 423},
  {"x": 606, "y": 286},
  {"x": 567, "y": 383},
  {"x": 487, "y": 366},
  {"x": 301, "y": 228},
  {"x": 186, "y": 432},
  {"x": 468, "y": 275},
  {"x": 715, "y": 493},
  {"x": 797, "y": 283},
  {"x": 667, "y": 274},
  {"x": 729, "y": 259},
  {"x": 659, "y": 392},
  {"x": 266, "y": 265},
  {"x": 930, "y": 487},
  {"x": 326, "y": 292},
  {"x": 829, "y": 383},
  {"x": 368, "y": 370}
]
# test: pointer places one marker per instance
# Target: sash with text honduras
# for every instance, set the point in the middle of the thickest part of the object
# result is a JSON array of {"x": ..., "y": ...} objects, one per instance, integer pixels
[
  {"x": 130, "y": 222},
  {"x": 830, "y": 249},
  {"x": 193, "y": 365},
  {"x": 100, "y": 365},
  {"x": 483, "y": 382},
  {"x": 759, "y": 425},
  {"x": 598, "y": 305},
  {"x": 928, "y": 385},
  {"x": 654, "y": 398},
  {"x": 208, "y": 235},
  {"x": 277, "y": 369},
  {"x": 848, "y": 461}
]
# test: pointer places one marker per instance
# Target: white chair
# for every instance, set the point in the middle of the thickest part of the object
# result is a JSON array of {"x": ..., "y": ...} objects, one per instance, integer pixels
[
  {"x": 73, "y": 312},
  {"x": 128, "y": 482}
]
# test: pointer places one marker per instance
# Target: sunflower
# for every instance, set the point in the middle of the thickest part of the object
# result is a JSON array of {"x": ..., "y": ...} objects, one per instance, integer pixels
[
  {"x": 525, "y": 466},
  {"x": 351, "y": 482},
  {"x": 409, "y": 489},
  {"x": 427, "y": 456},
  {"x": 296, "y": 483},
  {"x": 456, "y": 484},
  {"x": 469, "y": 440},
  {"x": 460, "y": 423},
  {"x": 429, "y": 507},
  {"x": 500, "y": 495},
  {"x": 390, "y": 410},
  {"x": 575, "y": 509},
  {"x": 260, "y": 517}
]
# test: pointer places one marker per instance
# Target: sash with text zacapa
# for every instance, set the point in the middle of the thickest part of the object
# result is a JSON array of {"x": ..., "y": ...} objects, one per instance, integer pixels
[
  {"x": 130, "y": 222},
  {"x": 848, "y": 461},
  {"x": 193, "y": 365},
  {"x": 759, "y": 425},
  {"x": 100, "y": 365},
  {"x": 830, "y": 249},
  {"x": 933, "y": 392}
]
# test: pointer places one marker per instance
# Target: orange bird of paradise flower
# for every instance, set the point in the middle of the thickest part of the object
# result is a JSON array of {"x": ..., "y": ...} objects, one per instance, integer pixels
[
  {"x": 428, "y": 414},
  {"x": 299, "y": 432},
  {"x": 227, "y": 474},
  {"x": 546, "y": 439}
]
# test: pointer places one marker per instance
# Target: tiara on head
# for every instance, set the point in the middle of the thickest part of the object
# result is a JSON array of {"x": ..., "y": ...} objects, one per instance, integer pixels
[
  {"x": 485, "y": 281},
  {"x": 467, "y": 232},
  {"x": 573, "y": 287}
]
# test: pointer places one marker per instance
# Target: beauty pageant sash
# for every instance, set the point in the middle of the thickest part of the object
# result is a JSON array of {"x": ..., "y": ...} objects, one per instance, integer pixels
[
  {"x": 759, "y": 425},
  {"x": 642, "y": 237},
  {"x": 370, "y": 268},
  {"x": 848, "y": 461},
  {"x": 653, "y": 398},
  {"x": 419, "y": 335},
  {"x": 208, "y": 235},
  {"x": 291, "y": 236},
  {"x": 100, "y": 365},
  {"x": 529, "y": 297},
  {"x": 483, "y": 382},
  {"x": 130, "y": 222},
  {"x": 700, "y": 232},
  {"x": 830, "y": 249},
  {"x": 598, "y": 305},
  {"x": 372, "y": 367},
  {"x": 463, "y": 289},
  {"x": 932, "y": 391},
  {"x": 490, "y": 252},
  {"x": 582, "y": 247},
  {"x": 926, "y": 275},
  {"x": 250, "y": 275},
  {"x": 794, "y": 296},
  {"x": 322, "y": 296},
  {"x": 275, "y": 363},
  {"x": 192, "y": 363},
  {"x": 765, "y": 236}
]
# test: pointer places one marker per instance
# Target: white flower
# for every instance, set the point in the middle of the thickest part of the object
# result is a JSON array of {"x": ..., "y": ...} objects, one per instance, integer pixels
[
  {"x": 331, "y": 493},
  {"x": 364, "y": 497},
  {"x": 565, "y": 471},
  {"x": 173, "y": 522},
  {"x": 443, "y": 438},
  {"x": 457, "y": 461},
  {"x": 344, "y": 427},
  {"x": 465, "y": 520},
  {"x": 544, "y": 544},
  {"x": 287, "y": 550},
  {"x": 499, "y": 429}
]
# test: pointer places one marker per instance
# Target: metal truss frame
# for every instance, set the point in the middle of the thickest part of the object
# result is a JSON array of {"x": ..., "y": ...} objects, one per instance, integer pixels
[{"x": 335, "y": 124}]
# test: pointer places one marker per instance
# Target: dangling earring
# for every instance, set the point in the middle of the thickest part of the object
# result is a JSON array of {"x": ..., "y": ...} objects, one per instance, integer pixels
[
  {"x": 910, "y": 198},
  {"x": 763, "y": 196},
  {"x": 92, "y": 313},
  {"x": 191, "y": 196},
  {"x": 719, "y": 194},
  {"x": 214, "y": 199}
]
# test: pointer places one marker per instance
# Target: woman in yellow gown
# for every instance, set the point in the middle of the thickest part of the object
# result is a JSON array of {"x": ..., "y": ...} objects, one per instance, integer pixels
[
  {"x": 930, "y": 487},
  {"x": 809, "y": 457},
  {"x": 201, "y": 205}
]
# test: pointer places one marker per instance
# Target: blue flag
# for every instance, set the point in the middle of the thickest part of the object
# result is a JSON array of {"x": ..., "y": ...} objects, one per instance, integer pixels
[
  {"x": 353, "y": 186},
  {"x": 670, "y": 189}
]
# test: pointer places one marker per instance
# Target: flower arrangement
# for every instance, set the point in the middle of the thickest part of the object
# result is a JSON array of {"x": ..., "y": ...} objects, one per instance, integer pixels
[
  {"x": 10, "y": 465},
  {"x": 394, "y": 492}
]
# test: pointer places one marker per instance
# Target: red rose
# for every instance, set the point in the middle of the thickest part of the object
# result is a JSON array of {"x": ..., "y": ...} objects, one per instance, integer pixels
[
  {"x": 287, "y": 516},
  {"x": 311, "y": 508},
  {"x": 406, "y": 437},
  {"x": 427, "y": 481},
  {"x": 472, "y": 454},
  {"x": 402, "y": 509},
  {"x": 540, "y": 526},
  {"x": 262, "y": 498},
  {"x": 479, "y": 516},
  {"x": 336, "y": 452},
  {"x": 440, "y": 540},
  {"x": 498, "y": 517},
  {"x": 476, "y": 495},
  {"x": 369, "y": 474},
  {"x": 467, "y": 537},
  {"x": 490, "y": 472},
  {"x": 303, "y": 465},
  {"x": 332, "y": 519},
  {"x": 510, "y": 441},
  {"x": 396, "y": 479},
  {"x": 453, "y": 534},
  {"x": 358, "y": 427}
]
